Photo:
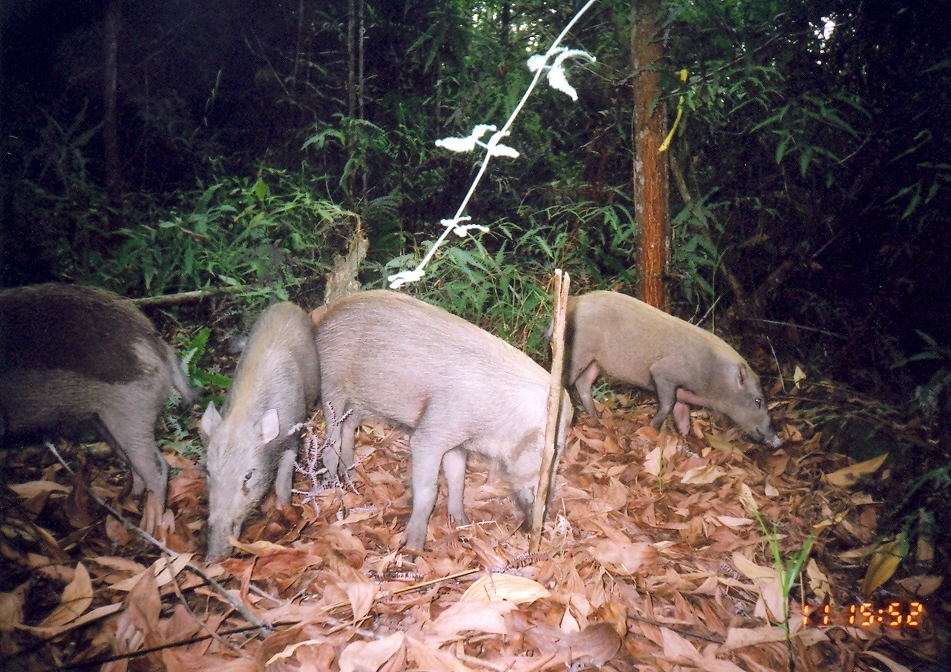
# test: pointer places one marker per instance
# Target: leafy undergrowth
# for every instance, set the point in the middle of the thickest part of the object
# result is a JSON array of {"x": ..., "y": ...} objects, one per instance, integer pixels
[{"x": 650, "y": 560}]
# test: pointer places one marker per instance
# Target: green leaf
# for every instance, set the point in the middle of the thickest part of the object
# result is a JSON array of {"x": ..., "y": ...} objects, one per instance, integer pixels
[{"x": 261, "y": 190}]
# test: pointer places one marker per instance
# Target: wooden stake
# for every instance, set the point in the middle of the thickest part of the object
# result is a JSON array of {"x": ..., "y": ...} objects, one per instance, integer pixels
[{"x": 562, "y": 282}]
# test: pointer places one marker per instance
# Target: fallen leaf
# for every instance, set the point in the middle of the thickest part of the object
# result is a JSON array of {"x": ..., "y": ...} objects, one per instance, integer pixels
[
  {"x": 510, "y": 587},
  {"x": 468, "y": 617},
  {"x": 818, "y": 582},
  {"x": 259, "y": 547},
  {"x": 738, "y": 638},
  {"x": 34, "y": 488},
  {"x": 361, "y": 596},
  {"x": 886, "y": 661},
  {"x": 882, "y": 566},
  {"x": 11, "y": 611},
  {"x": 161, "y": 571},
  {"x": 677, "y": 649},
  {"x": 921, "y": 586},
  {"x": 76, "y": 598},
  {"x": 734, "y": 521},
  {"x": 849, "y": 476},
  {"x": 702, "y": 475},
  {"x": 370, "y": 656},
  {"x": 623, "y": 557},
  {"x": 89, "y": 617}
]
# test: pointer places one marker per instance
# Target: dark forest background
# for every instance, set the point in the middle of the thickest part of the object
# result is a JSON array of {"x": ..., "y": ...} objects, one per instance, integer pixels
[{"x": 811, "y": 164}]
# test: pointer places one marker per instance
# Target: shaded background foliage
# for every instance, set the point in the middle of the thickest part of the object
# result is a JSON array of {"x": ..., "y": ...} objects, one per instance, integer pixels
[
  {"x": 816, "y": 165},
  {"x": 809, "y": 199}
]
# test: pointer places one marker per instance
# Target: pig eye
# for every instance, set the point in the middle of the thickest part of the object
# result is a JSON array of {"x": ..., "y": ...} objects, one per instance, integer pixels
[
  {"x": 247, "y": 477},
  {"x": 758, "y": 402}
]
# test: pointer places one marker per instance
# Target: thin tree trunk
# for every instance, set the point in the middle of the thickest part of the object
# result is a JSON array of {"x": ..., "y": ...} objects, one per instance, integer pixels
[
  {"x": 360, "y": 82},
  {"x": 110, "y": 124},
  {"x": 351, "y": 60},
  {"x": 651, "y": 187},
  {"x": 296, "y": 89}
]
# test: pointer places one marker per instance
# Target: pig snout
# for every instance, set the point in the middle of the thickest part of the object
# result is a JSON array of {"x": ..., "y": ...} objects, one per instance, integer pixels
[{"x": 218, "y": 532}]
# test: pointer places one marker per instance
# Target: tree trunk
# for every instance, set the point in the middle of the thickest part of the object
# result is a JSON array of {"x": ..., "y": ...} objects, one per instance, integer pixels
[
  {"x": 651, "y": 188},
  {"x": 351, "y": 60},
  {"x": 110, "y": 125}
]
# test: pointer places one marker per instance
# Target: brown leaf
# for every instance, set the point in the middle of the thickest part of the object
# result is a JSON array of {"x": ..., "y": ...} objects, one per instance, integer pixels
[
  {"x": 361, "y": 596},
  {"x": 849, "y": 476},
  {"x": 515, "y": 589},
  {"x": 11, "y": 610},
  {"x": 623, "y": 557},
  {"x": 468, "y": 617},
  {"x": 882, "y": 566},
  {"x": 76, "y": 598},
  {"x": 370, "y": 656}
]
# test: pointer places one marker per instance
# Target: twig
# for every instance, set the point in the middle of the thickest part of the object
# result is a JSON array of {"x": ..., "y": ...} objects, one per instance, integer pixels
[
  {"x": 185, "y": 297},
  {"x": 549, "y": 449},
  {"x": 239, "y": 606},
  {"x": 204, "y": 626},
  {"x": 679, "y": 631}
]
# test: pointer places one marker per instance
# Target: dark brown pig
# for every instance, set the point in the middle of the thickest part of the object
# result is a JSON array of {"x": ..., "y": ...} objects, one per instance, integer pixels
[
  {"x": 70, "y": 353},
  {"x": 251, "y": 447},
  {"x": 633, "y": 342},
  {"x": 388, "y": 356}
]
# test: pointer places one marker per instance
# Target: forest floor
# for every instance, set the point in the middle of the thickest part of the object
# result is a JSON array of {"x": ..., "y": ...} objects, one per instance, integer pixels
[{"x": 651, "y": 559}]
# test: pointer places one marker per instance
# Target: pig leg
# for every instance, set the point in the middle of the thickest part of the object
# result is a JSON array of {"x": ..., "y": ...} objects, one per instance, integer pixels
[
  {"x": 338, "y": 446},
  {"x": 454, "y": 466},
  {"x": 284, "y": 481},
  {"x": 137, "y": 443},
  {"x": 583, "y": 385},
  {"x": 331, "y": 449},
  {"x": 428, "y": 445},
  {"x": 666, "y": 399}
]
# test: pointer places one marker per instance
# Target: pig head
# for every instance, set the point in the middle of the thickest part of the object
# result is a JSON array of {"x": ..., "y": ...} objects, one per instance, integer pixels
[
  {"x": 390, "y": 357},
  {"x": 71, "y": 353},
  {"x": 251, "y": 444},
  {"x": 638, "y": 344}
]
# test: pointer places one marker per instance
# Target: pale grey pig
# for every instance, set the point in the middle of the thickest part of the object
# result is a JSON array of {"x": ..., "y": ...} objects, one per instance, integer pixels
[
  {"x": 388, "y": 356},
  {"x": 70, "y": 353},
  {"x": 638, "y": 344},
  {"x": 250, "y": 448}
]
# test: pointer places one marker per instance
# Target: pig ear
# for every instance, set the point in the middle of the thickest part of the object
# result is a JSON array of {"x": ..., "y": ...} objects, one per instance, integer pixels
[
  {"x": 270, "y": 426},
  {"x": 742, "y": 374},
  {"x": 317, "y": 314},
  {"x": 209, "y": 422}
]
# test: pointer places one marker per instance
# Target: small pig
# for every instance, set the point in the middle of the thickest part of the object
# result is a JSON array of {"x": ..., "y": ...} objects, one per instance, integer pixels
[
  {"x": 388, "y": 356},
  {"x": 276, "y": 382},
  {"x": 69, "y": 354},
  {"x": 643, "y": 346}
]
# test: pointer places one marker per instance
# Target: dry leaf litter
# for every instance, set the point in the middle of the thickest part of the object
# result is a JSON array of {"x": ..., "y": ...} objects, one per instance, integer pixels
[{"x": 651, "y": 559}]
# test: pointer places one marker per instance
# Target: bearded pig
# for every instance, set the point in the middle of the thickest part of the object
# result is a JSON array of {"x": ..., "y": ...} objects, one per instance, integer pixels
[
  {"x": 249, "y": 445},
  {"x": 638, "y": 344},
  {"x": 71, "y": 353},
  {"x": 387, "y": 356}
]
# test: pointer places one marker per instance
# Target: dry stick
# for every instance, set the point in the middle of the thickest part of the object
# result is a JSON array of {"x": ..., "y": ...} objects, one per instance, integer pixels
[
  {"x": 562, "y": 282},
  {"x": 204, "y": 626},
  {"x": 239, "y": 606},
  {"x": 185, "y": 297}
]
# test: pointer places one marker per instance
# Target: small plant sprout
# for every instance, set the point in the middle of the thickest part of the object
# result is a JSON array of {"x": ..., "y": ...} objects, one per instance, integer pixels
[
  {"x": 539, "y": 64},
  {"x": 786, "y": 573}
]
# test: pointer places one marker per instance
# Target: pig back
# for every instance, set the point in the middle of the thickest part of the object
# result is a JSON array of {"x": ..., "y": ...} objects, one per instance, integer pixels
[
  {"x": 627, "y": 336},
  {"x": 85, "y": 330},
  {"x": 277, "y": 369},
  {"x": 70, "y": 351},
  {"x": 392, "y": 357}
]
